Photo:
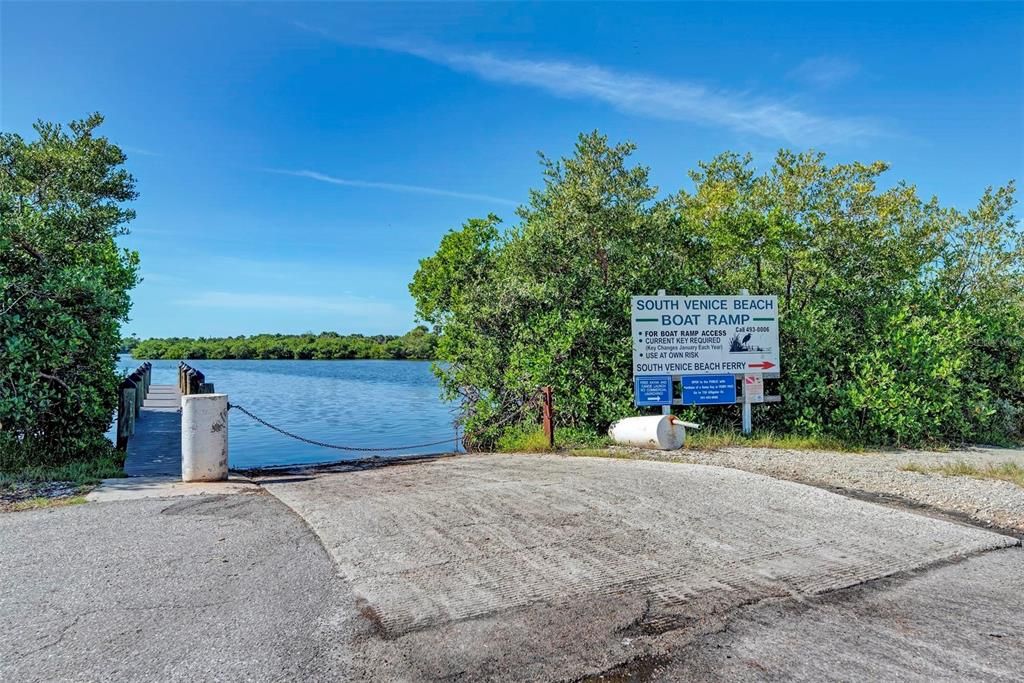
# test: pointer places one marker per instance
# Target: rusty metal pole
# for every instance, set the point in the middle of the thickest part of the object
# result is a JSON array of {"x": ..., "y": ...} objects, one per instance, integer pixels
[{"x": 549, "y": 424}]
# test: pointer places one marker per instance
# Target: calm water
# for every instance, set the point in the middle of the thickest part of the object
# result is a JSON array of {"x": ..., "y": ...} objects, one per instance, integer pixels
[{"x": 354, "y": 403}]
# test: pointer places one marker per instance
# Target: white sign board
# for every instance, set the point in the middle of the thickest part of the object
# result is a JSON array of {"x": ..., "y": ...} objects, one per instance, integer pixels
[
  {"x": 705, "y": 335},
  {"x": 753, "y": 388}
]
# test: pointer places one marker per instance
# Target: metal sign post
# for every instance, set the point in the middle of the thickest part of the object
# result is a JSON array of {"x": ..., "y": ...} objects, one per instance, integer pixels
[
  {"x": 666, "y": 409},
  {"x": 753, "y": 392}
]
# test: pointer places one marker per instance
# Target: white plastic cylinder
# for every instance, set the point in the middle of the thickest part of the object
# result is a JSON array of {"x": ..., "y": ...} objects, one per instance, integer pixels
[
  {"x": 204, "y": 437},
  {"x": 661, "y": 432}
]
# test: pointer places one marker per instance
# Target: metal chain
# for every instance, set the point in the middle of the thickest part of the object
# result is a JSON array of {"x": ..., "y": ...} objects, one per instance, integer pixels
[
  {"x": 355, "y": 449},
  {"x": 322, "y": 444}
]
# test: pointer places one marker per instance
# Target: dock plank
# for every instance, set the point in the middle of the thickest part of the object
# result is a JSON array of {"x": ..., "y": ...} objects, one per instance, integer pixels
[{"x": 155, "y": 448}]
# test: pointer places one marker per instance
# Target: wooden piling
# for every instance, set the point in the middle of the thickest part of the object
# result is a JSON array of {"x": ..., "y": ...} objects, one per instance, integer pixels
[
  {"x": 139, "y": 394},
  {"x": 126, "y": 412},
  {"x": 549, "y": 423}
]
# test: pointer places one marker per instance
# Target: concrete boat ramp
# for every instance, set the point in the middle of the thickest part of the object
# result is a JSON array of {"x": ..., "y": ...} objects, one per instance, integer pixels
[
  {"x": 522, "y": 567},
  {"x": 553, "y": 568}
]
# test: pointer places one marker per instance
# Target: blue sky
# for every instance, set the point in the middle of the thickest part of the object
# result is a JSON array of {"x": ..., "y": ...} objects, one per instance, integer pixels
[{"x": 295, "y": 161}]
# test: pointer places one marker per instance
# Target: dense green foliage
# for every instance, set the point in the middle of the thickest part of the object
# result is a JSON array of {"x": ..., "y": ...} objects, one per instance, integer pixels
[
  {"x": 64, "y": 286},
  {"x": 417, "y": 344},
  {"x": 902, "y": 321}
]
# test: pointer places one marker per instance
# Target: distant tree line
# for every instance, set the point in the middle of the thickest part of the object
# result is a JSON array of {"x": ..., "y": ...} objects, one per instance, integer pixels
[
  {"x": 417, "y": 344},
  {"x": 128, "y": 344}
]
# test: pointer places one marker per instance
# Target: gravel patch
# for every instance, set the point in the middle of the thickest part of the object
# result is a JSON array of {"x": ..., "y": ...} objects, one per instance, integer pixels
[{"x": 991, "y": 503}]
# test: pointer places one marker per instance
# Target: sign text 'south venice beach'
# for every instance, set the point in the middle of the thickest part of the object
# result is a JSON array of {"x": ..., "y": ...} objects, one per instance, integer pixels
[{"x": 705, "y": 335}]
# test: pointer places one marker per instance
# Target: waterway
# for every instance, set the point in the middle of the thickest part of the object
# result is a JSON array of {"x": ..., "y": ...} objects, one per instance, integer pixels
[{"x": 365, "y": 403}]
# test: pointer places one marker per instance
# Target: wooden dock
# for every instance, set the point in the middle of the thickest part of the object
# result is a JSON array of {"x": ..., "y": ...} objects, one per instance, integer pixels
[{"x": 155, "y": 447}]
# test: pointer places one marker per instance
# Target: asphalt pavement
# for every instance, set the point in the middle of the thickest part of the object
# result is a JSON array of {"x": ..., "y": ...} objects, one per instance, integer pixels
[{"x": 202, "y": 587}]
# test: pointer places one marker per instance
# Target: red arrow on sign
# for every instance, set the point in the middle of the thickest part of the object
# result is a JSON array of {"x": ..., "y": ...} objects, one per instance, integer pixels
[{"x": 765, "y": 365}]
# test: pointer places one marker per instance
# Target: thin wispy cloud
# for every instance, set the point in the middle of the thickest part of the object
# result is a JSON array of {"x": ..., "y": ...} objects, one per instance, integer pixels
[
  {"x": 825, "y": 72},
  {"x": 140, "y": 150},
  {"x": 347, "y": 305},
  {"x": 653, "y": 97},
  {"x": 393, "y": 187},
  {"x": 311, "y": 29},
  {"x": 159, "y": 278}
]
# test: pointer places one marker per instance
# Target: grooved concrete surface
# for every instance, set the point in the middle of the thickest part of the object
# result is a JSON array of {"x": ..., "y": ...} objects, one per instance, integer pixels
[
  {"x": 959, "y": 622},
  {"x": 471, "y": 537},
  {"x": 155, "y": 449}
]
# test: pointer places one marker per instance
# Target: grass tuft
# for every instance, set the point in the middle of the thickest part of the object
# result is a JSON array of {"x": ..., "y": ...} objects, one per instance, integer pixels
[
  {"x": 1006, "y": 471},
  {"x": 523, "y": 439},
  {"x": 530, "y": 439},
  {"x": 602, "y": 453},
  {"x": 39, "y": 502},
  {"x": 713, "y": 439},
  {"x": 82, "y": 472},
  {"x": 575, "y": 437},
  {"x": 27, "y": 487}
]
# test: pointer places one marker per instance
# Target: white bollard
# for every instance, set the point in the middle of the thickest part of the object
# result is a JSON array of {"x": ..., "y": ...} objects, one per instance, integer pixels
[
  {"x": 204, "y": 437},
  {"x": 663, "y": 432}
]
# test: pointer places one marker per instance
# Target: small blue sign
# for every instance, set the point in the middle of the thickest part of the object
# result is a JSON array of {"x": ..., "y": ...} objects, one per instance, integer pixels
[
  {"x": 653, "y": 390},
  {"x": 707, "y": 390}
]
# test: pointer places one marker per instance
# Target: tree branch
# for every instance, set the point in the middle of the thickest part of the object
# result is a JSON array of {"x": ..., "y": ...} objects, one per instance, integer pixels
[
  {"x": 13, "y": 304},
  {"x": 24, "y": 244},
  {"x": 56, "y": 379}
]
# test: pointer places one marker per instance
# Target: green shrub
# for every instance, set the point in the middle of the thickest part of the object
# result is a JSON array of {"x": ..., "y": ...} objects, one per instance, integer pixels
[
  {"x": 901, "y": 321},
  {"x": 64, "y": 286}
]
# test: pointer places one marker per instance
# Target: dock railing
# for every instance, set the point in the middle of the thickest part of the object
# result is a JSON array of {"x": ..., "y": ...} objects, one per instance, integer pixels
[{"x": 130, "y": 395}]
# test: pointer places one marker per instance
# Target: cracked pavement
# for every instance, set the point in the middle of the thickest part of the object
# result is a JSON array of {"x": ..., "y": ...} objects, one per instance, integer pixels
[{"x": 507, "y": 568}]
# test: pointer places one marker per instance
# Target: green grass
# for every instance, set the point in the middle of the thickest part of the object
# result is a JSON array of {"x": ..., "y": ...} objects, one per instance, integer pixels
[
  {"x": 523, "y": 439},
  {"x": 1006, "y": 471},
  {"x": 28, "y": 487},
  {"x": 601, "y": 453},
  {"x": 575, "y": 437},
  {"x": 82, "y": 472},
  {"x": 43, "y": 502},
  {"x": 712, "y": 439},
  {"x": 530, "y": 439}
]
